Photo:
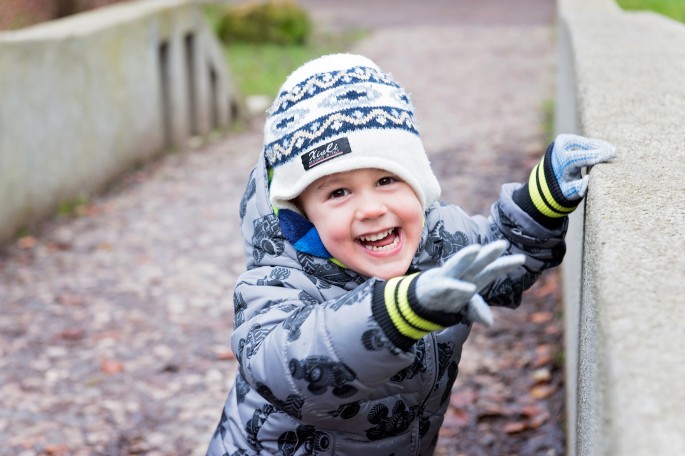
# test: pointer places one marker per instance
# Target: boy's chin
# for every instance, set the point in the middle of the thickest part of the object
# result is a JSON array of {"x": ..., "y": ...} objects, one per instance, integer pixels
[{"x": 387, "y": 273}]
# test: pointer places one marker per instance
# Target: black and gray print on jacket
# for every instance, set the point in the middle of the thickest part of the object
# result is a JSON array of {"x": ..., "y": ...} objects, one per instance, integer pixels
[
  {"x": 295, "y": 321},
  {"x": 353, "y": 297},
  {"x": 321, "y": 374},
  {"x": 242, "y": 388},
  {"x": 452, "y": 372},
  {"x": 347, "y": 411},
  {"x": 276, "y": 277},
  {"x": 503, "y": 291},
  {"x": 388, "y": 423},
  {"x": 292, "y": 405},
  {"x": 255, "y": 423},
  {"x": 313, "y": 440},
  {"x": 442, "y": 244},
  {"x": 249, "y": 193},
  {"x": 324, "y": 273},
  {"x": 374, "y": 339},
  {"x": 414, "y": 368},
  {"x": 445, "y": 355},
  {"x": 267, "y": 238},
  {"x": 250, "y": 344},
  {"x": 240, "y": 453},
  {"x": 447, "y": 363},
  {"x": 239, "y": 306},
  {"x": 221, "y": 427}
]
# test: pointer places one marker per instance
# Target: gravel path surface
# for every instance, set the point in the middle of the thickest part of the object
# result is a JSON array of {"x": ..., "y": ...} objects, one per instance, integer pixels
[{"x": 115, "y": 323}]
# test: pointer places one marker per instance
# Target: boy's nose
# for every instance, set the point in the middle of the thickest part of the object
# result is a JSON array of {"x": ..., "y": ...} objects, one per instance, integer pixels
[{"x": 370, "y": 209}]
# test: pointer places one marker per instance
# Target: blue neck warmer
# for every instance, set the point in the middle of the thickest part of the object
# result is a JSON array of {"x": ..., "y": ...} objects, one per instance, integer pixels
[{"x": 301, "y": 233}]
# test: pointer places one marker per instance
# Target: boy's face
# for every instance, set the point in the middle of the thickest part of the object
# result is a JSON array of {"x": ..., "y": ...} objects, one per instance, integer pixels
[{"x": 368, "y": 219}]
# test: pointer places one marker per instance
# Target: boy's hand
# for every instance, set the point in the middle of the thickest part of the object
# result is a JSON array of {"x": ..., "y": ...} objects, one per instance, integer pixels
[
  {"x": 409, "y": 307},
  {"x": 556, "y": 186},
  {"x": 570, "y": 154},
  {"x": 453, "y": 287}
]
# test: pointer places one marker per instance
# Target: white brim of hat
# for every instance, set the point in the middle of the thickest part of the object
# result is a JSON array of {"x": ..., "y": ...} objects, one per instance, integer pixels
[{"x": 400, "y": 153}]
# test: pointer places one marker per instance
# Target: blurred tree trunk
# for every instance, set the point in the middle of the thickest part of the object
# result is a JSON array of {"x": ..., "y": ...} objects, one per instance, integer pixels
[{"x": 66, "y": 8}]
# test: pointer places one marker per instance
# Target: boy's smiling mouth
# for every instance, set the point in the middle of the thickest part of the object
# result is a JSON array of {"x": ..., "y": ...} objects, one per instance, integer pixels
[{"x": 380, "y": 242}]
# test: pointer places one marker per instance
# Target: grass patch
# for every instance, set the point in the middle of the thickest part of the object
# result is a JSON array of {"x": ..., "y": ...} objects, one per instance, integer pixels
[
  {"x": 548, "y": 109},
  {"x": 674, "y": 9},
  {"x": 261, "y": 68},
  {"x": 73, "y": 207}
]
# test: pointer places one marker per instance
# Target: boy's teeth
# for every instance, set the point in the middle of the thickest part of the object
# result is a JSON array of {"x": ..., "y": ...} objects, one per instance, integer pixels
[
  {"x": 390, "y": 246},
  {"x": 376, "y": 237}
]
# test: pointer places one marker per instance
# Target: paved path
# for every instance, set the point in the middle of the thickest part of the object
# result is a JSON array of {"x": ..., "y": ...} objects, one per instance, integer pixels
[{"x": 115, "y": 324}]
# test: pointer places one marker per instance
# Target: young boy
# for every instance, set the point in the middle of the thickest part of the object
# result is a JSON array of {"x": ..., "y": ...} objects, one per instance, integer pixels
[{"x": 361, "y": 287}]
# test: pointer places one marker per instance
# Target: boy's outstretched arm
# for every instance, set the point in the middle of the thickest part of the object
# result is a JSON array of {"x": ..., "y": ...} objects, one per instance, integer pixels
[
  {"x": 531, "y": 216},
  {"x": 409, "y": 307}
]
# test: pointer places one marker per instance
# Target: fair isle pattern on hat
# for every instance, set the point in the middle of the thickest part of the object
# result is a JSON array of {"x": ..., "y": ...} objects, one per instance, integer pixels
[
  {"x": 339, "y": 113},
  {"x": 347, "y": 120},
  {"x": 350, "y": 94},
  {"x": 318, "y": 83}
]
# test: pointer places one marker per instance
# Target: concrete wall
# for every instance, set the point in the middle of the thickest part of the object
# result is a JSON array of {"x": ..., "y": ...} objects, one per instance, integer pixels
[
  {"x": 86, "y": 97},
  {"x": 622, "y": 78}
]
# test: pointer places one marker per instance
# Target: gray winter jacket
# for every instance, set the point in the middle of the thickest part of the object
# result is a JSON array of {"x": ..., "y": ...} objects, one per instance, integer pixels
[{"x": 317, "y": 373}]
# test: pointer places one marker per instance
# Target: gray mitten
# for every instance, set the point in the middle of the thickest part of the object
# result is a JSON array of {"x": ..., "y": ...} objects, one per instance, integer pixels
[
  {"x": 556, "y": 185},
  {"x": 570, "y": 154},
  {"x": 453, "y": 287},
  {"x": 409, "y": 307}
]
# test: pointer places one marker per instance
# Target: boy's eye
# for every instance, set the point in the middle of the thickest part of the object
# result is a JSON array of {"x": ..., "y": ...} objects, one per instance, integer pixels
[
  {"x": 338, "y": 193},
  {"x": 387, "y": 180}
]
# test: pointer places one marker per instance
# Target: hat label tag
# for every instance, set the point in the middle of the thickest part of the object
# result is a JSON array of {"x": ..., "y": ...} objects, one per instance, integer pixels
[{"x": 328, "y": 151}]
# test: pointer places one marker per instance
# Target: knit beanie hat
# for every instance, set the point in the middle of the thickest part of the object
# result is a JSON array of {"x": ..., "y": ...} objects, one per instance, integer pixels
[{"x": 340, "y": 113}]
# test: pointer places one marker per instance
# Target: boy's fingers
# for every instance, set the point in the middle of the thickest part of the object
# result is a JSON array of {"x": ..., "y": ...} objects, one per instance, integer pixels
[
  {"x": 462, "y": 261},
  {"x": 444, "y": 294},
  {"x": 488, "y": 253},
  {"x": 478, "y": 311},
  {"x": 497, "y": 268}
]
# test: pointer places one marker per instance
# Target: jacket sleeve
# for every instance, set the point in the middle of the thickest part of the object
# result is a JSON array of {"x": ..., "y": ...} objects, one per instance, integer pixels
[
  {"x": 305, "y": 354},
  {"x": 543, "y": 246}
]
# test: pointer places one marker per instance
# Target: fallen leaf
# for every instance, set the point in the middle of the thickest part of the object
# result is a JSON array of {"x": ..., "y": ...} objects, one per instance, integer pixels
[
  {"x": 490, "y": 409},
  {"x": 531, "y": 410},
  {"x": 72, "y": 334},
  {"x": 463, "y": 398},
  {"x": 538, "y": 420},
  {"x": 70, "y": 299},
  {"x": 110, "y": 367},
  {"x": 548, "y": 285},
  {"x": 56, "y": 450},
  {"x": 553, "y": 330},
  {"x": 543, "y": 355},
  {"x": 541, "y": 317},
  {"x": 542, "y": 391},
  {"x": 88, "y": 209},
  {"x": 513, "y": 428},
  {"x": 542, "y": 375},
  {"x": 109, "y": 334},
  {"x": 26, "y": 242},
  {"x": 456, "y": 419},
  {"x": 225, "y": 355},
  {"x": 58, "y": 245}
]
